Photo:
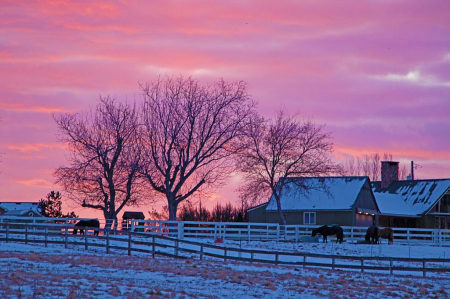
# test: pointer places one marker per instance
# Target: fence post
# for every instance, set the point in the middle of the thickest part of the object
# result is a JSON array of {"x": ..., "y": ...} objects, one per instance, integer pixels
[
  {"x": 362, "y": 265},
  {"x": 304, "y": 261},
  {"x": 160, "y": 227},
  {"x": 26, "y": 233},
  {"x": 276, "y": 258},
  {"x": 46, "y": 235},
  {"x": 407, "y": 235},
  {"x": 225, "y": 254},
  {"x": 424, "y": 268},
  {"x": 278, "y": 232},
  {"x": 153, "y": 246},
  {"x": 7, "y": 232},
  {"x": 351, "y": 234},
  {"x": 66, "y": 235},
  {"x": 201, "y": 252},
  {"x": 176, "y": 248},
  {"x": 180, "y": 229},
  {"x": 86, "y": 238},
  {"x": 129, "y": 243},
  {"x": 296, "y": 233},
  {"x": 248, "y": 230},
  {"x": 107, "y": 241},
  {"x": 332, "y": 263},
  {"x": 391, "y": 263},
  {"x": 251, "y": 257}
]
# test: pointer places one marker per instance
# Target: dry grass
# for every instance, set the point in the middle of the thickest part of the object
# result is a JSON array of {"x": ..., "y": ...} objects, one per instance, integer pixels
[{"x": 40, "y": 275}]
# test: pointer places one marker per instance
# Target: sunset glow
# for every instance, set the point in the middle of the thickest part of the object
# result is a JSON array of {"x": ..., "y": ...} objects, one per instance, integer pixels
[{"x": 376, "y": 73}]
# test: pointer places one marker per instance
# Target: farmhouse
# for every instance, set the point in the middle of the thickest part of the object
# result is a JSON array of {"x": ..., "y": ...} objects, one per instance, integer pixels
[
  {"x": 411, "y": 203},
  {"x": 322, "y": 200},
  {"x": 24, "y": 209}
]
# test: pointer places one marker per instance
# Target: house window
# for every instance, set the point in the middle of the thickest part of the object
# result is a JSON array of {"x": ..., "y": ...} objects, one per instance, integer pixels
[{"x": 309, "y": 218}]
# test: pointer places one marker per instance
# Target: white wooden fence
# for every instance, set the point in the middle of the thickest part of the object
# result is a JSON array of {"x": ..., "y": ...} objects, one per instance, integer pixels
[
  {"x": 251, "y": 231},
  {"x": 153, "y": 244},
  {"x": 276, "y": 232}
]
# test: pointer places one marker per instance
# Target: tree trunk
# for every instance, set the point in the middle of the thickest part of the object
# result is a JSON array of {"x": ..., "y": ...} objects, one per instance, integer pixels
[
  {"x": 173, "y": 206},
  {"x": 280, "y": 212}
]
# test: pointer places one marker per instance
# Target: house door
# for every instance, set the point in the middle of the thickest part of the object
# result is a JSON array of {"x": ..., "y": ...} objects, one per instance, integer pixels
[{"x": 364, "y": 220}]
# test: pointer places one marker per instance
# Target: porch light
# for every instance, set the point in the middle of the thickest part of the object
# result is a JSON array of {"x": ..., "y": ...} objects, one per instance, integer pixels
[{"x": 366, "y": 213}]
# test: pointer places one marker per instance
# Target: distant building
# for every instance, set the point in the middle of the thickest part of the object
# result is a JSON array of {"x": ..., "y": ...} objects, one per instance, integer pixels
[
  {"x": 411, "y": 203},
  {"x": 129, "y": 216},
  {"x": 24, "y": 209}
]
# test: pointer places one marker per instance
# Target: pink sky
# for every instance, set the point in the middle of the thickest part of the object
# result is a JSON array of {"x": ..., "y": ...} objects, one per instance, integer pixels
[{"x": 377, "y": 73}]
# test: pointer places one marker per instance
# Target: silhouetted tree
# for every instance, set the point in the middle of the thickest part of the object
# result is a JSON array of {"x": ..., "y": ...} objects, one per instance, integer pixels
[
  {"x": 105, "y": 157},
  {"x": 192, "y": 131},
  {"x": 278, "y": 149},
  {"x": 51, "y": 206}
]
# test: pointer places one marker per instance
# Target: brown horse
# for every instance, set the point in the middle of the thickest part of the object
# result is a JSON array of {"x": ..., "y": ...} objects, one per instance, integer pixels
[
  {"x": 329, "y": 231},
  {"x": 386, "y": 233},
  {"x": 372, "y": 235},
  {"x": 82, "y": 224}
]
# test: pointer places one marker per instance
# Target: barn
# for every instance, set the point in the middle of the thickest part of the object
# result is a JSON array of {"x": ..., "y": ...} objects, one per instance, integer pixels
[
  {"x": 346, "y": 201},
  {"x": 411, "y": 203}
]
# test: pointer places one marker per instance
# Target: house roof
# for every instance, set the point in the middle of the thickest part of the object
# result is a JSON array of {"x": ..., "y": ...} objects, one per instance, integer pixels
[
  {"x": 133, "y": 215},
  {"x": 11, "y": 206},
  {"x": 24, "y": 212},
  {"x": 258, "y": 206},
  {"x": 319, "y": 193},
  {"x": 409, "y": 198}
]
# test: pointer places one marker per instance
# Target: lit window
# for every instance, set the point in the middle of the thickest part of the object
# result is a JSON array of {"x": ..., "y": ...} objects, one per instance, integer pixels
[{"x": 309, "y": 218}]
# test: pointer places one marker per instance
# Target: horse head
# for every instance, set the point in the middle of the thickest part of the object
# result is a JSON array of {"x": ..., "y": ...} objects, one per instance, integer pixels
[{"x": 314, "y": 232}]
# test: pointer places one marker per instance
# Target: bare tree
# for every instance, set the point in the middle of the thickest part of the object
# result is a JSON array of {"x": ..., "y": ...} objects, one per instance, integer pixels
[
  {"x": 192, "y": 131},
  {"x": 104, "y": 161},
  {"x": 369, "y": 165},
  {"x": 279, "y": 149}
]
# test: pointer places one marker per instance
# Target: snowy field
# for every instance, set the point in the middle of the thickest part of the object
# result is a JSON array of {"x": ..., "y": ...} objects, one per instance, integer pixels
[{"x": 33, "y": 271}]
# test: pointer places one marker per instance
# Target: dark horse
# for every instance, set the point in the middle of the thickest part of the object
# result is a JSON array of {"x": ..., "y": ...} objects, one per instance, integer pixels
[
  {"x": 386, "y": 233},
  {"x": 93, "y": 223},
  {"x": 329, "y": 231},
  {"x": 372, "y": 235}
]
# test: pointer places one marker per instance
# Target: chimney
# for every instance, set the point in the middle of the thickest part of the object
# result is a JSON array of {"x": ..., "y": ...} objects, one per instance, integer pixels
[{"x": 389, "y": 173}]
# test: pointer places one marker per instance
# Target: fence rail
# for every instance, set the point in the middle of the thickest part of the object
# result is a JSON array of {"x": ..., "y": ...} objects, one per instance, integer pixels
[
  {"x": 247, "y": 231},
  {"x": 180, "y": 248}
]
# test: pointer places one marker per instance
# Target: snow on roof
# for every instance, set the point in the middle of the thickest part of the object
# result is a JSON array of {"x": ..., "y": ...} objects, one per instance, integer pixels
[
  {"x": 321, "y": 193},
  {"x": 22, "y": 212},
  {"x": 409, "y": 197},
  {"x": 11, "y": 206}
]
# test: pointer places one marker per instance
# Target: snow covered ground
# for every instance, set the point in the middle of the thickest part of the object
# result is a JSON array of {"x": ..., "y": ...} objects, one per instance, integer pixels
[{"x": 34, "y": 271}]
